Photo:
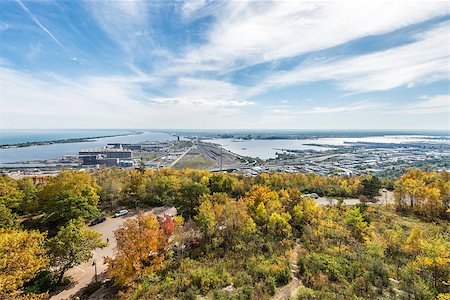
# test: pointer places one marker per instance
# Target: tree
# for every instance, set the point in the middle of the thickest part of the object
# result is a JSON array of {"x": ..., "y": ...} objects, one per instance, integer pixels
[
  {"x": 140, "y": 250},
  {"x": 66, "y": 208},
  {"x": 30, "y": 200},
  {"x": 188, "y": 198},
  {"x": 72, "y": 246},
  {"x": 70, "y": 194},
  {"x": 427, "y": 194},
  {"x": 70, "y": 183},
  {"x": 220, "y": 183},
  {"x": 112, "y": 183},
  {"x": 355, "y": 221},
  {"x": 21, "y": 257},
  {"x": 8, "y": 219},
  {"x": 371, "y": 186},
  {"x": 141, "y": 168},
  {"x": 10, "y": 194},
  {"x": 206, "y": 218},
  {"x": 279, "y": 225}
]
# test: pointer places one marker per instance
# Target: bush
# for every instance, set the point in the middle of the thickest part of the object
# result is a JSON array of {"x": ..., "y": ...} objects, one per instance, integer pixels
[
  {"x": 43, "y": 282},
  {"x": 305, "y": 293}
]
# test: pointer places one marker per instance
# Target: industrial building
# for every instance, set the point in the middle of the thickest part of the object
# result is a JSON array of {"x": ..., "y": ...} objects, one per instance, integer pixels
[{"x": 106, "y": 156}]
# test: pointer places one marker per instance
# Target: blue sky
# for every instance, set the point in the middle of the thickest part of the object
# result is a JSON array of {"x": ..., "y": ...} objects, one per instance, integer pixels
[{"x": 224, "y": 64}]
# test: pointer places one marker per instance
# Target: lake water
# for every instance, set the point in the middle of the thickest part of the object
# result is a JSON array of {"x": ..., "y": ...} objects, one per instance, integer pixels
[
  {"x": 266, "y": 149},
  {"x": 263, "y": 149},
  {"x": 59, "y": 150}
]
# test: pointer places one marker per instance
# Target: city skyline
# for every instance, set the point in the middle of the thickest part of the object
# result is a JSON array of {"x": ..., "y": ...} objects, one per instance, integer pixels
[{"x": 201, "y": 64}]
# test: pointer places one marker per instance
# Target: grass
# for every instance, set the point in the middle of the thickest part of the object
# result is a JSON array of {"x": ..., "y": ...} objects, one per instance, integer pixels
[{"x": 194, "y": 160}]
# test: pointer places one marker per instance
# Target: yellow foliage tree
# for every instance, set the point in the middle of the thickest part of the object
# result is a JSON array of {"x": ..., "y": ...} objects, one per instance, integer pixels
[{"x": 21, "y": 257}]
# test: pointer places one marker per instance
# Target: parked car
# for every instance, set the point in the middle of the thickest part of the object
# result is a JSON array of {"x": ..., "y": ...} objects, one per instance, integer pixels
[
  {"x": 98, "y": 220},
  {"x": 121, "y": 213}
]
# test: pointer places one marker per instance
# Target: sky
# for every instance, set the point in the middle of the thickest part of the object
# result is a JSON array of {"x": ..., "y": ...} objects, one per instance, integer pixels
[{"x": 224, "y": 64}]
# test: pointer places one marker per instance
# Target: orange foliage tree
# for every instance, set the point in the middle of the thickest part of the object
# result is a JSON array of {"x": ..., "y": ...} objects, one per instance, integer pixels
[{"x": 140, "y": 250}]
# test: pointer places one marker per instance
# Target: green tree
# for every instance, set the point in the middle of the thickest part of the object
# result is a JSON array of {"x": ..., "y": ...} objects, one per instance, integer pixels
[
  {"x": 72, "y": 246},
  {"x": 354, "y": 219},
  {"x": 30, "y": 202},
  {"x": 8, "y": 219},
  {"x": 220, "y": 183},
  {"x": 66, "y": 208},
  {"x": 371, "y": 186},
  {"x": 188, "y": 198},
  {"x": 10, "y": 194}
]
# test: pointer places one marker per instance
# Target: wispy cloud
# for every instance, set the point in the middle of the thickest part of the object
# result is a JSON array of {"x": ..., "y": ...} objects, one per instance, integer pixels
[
  {"x": 351, "y": 107},
  {"x": 192, "y": 7},
  {"x": 201, "y": 63},
  {"x": 127, "y": 23},
  {"x": 423, "y": 61},
  {"x": 428, "y": 105},
  {"x": 186, "y": 101},
  {"x": 51, "y": 100},
  {"x": 45, "y": 29},
  {"x": 4, "y": 26},
  {"x": 247, "y": 33}
]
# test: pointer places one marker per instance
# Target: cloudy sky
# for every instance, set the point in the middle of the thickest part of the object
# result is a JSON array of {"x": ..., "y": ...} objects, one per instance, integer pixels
[{"x": 230, "y": 64}]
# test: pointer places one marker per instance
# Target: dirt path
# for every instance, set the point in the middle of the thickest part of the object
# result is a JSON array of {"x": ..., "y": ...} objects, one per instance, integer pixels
[{"x": 289, "y": 291}]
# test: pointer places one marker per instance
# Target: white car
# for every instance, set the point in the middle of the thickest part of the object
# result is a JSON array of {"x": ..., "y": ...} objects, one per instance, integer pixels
[{"x": 120, "y": 213}]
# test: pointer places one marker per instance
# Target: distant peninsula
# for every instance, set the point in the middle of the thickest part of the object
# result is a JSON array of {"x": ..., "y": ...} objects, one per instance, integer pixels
[{"x": 63, "y": 141}]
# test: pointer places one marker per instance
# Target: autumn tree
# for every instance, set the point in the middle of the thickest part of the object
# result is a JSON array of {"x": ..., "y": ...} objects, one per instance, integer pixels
[
  {"x": 69, "y": 195},
  {"x": 359, "y": 227},
  {"x": 223, "y": 220},
  {"x": 141, "y": 248},
  {"x": 72, "y": 246},
  {"x": 220, "y": 183},
  {"x": 21, "y": 257},
  {"x": 112, "y": 184},
  {"x": 423, "y": 193},
  {"x": 10, "y": 194},
  {"x": 8, "y": 219},
  {"x": 279, "y": 225}
]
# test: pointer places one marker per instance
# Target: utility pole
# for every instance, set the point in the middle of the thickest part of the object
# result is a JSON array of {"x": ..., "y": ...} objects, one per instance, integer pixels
[{"x": 94, "y": 263}]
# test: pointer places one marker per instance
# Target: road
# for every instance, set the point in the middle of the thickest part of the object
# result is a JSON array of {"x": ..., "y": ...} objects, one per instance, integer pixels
[
  {"x": 384, "y": 198},
  {"x": 84, "y": 274}
]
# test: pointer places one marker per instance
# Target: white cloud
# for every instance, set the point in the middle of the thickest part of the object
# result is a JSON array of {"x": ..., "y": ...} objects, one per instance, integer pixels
[
  {"x": 252, "y": 32},
  {"x": 423, "y": 61},
  {"x": 51, "y": 101},
  {"x": 201, "y": 103},
  {"x": 191, "y": 7},
  {"x": 125, "y": 22},
  {"x": 428, "y": 105},
  {"x": 4, "y": 26},
  {"x": 352, "y": 107}
]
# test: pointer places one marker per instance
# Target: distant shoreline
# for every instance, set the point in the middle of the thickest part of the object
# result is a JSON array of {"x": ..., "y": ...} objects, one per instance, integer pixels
[{"x": 63, "y": 141}]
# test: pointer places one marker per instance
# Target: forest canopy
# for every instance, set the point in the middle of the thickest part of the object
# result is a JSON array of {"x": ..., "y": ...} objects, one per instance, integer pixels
[{"x": 234, "y": 237}]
